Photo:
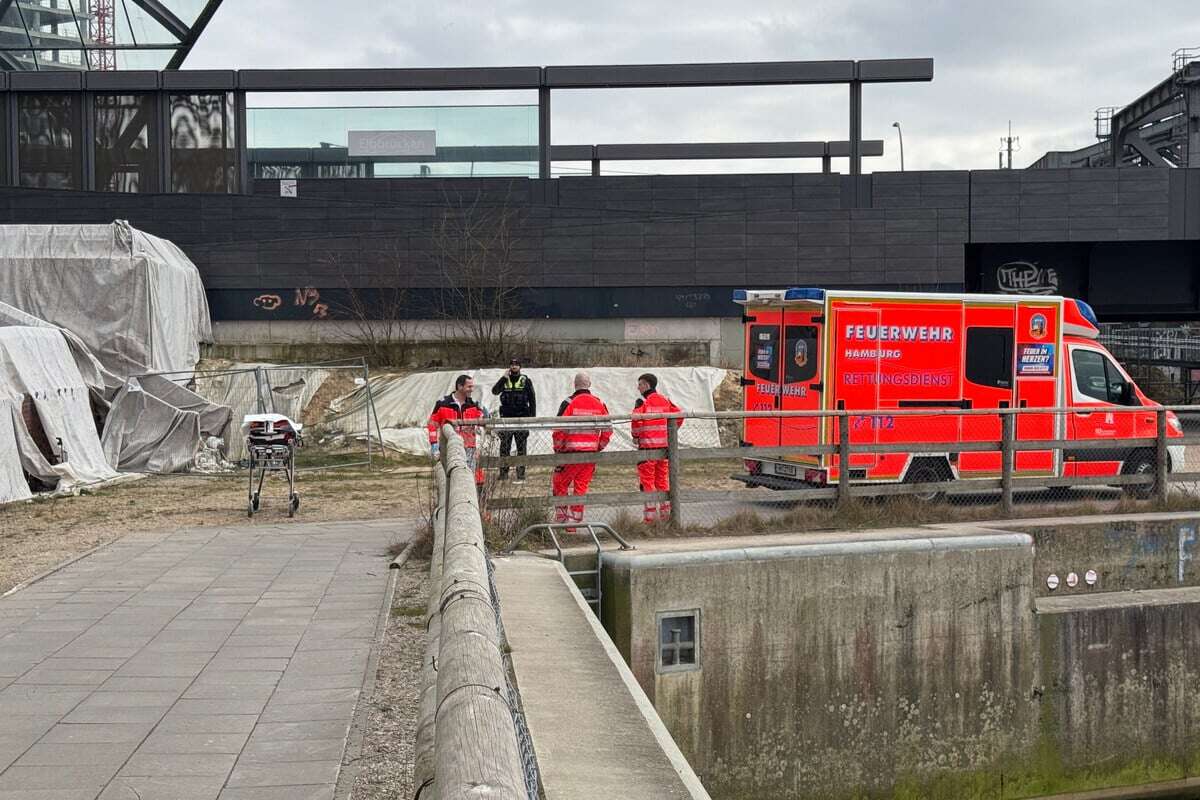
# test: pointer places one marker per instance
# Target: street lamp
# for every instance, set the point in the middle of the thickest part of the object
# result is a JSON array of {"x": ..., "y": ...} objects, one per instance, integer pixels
[{"x": 900, "y": 133}]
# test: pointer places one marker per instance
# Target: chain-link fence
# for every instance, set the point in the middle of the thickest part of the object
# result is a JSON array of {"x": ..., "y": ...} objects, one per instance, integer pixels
[
  {"x": 756, "y": 471},
  {"x": 304, "y": 393}
]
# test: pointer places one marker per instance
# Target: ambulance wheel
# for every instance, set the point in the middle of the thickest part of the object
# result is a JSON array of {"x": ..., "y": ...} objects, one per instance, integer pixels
[
  {"x": 1140, "y": 463},
  {"x": 928, "y": 470}
]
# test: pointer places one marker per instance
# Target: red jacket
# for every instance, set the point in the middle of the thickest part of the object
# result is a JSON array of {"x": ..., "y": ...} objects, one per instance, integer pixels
[
  {"x": 448, "y": 410},
  {"x": 650, "y": 433},
  {"x": 583, "y": 440}
]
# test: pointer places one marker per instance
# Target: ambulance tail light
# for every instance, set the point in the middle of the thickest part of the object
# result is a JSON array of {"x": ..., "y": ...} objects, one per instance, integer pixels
[{"x": 753, "y": 467}]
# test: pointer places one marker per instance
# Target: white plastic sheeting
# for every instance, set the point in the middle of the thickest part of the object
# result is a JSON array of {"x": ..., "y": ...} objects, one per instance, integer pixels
[
  {"x": 37, "y": 362},
  {"x": 134, "y": 299},
  {"x": 150, "y": 423},
  {"x": 403, "y": 404}
]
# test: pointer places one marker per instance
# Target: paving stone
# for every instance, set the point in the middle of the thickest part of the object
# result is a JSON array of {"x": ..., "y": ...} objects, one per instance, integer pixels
[
  {"x": 322, "y": 729},
  {"x": 168, "y": 743},
  {"x": 204, "y": 787},
  {"x": 97, "y": 733},
  {"x": 83, "y": 753},
  {"x": 293, "y": 750},
  {"x": 178, "y": 722},
  {"x": 75, "y": 777},
  {"x": 178, "y": 765},
  {"x": 311, "y": 712},
  {"x": 158, "y": 655},
  {"x": 284, "y": 774},
  {"x": 278, "y": 793}
]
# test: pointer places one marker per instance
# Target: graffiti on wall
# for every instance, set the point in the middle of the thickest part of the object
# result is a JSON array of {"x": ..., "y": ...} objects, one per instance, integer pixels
[{"x": 305, "y": 297}]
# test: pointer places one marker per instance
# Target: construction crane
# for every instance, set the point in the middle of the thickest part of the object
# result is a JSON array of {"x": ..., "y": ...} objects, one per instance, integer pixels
[{"x": 103, "y": 33}]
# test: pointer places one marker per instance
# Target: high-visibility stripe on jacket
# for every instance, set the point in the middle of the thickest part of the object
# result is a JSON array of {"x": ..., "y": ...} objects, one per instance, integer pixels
[
  {"x": 448, "y": 410},
  {"x": 650, "y": 432},
  {"x": 579, "y": 439}
]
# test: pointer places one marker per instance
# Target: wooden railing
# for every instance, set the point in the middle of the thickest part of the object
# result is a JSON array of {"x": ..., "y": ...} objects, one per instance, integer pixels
[{"x": 1008, "y": 444}]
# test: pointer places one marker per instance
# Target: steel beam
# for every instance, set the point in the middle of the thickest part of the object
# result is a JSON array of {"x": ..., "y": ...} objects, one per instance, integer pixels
[
  {"x": 856, "y": 128},
  {"x": 363, "y": 80},
  {"x": 544, "y": 156},
  {"x": 164, "y": 16},
  {"x": 763, "y": 73},
  {"x": 581, "y": 152},
  {"x": 202, "y": 19}
]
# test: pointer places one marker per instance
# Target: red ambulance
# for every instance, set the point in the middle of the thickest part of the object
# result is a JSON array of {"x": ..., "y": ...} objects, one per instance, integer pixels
[{"x": 816, "y": 349}]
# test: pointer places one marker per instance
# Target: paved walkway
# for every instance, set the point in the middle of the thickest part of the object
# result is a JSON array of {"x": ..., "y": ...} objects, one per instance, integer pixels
[{"x": 203, "y": 664}]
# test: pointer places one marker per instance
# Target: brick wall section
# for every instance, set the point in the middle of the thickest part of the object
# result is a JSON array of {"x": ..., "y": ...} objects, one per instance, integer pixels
[{"x": 651, "y": 231}]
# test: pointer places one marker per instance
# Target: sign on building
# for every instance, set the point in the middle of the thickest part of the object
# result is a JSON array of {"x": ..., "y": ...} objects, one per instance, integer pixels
[{"x": 392, "y": 143}]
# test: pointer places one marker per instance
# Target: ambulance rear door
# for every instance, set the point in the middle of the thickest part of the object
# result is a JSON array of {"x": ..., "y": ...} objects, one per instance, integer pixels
[
  {"x": 760, "y": 380},
  {"x": 801, "y": 387}
]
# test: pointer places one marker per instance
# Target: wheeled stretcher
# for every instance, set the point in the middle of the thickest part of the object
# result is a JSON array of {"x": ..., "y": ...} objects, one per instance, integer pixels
[{"x": 271, "y": 442}]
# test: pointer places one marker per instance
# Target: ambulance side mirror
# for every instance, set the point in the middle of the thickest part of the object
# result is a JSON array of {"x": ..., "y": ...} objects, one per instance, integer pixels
[{"x": 1127, "y": 395}]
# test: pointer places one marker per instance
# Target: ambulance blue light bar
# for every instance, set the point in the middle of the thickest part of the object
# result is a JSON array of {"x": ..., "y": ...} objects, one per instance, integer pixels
[
  {"x": 804, "y": 294},
  {"x": 772, "y": 296},
  {"x": 1088, "y": 312}
]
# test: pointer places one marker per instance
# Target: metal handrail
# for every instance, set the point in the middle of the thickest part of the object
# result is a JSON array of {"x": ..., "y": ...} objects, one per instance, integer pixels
[{"x": 550, "y": 527}]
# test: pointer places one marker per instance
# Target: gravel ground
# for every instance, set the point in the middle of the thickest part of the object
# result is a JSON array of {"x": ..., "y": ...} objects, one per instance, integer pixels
[
  {"x": 386, "y": 762},
  {"x": 37, "y": 535}
]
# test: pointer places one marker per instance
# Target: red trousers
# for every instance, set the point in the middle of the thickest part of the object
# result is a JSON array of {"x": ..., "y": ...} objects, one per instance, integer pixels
[
  {"x": 654, "y": 477},
  {"x": 571, "y": 479}
]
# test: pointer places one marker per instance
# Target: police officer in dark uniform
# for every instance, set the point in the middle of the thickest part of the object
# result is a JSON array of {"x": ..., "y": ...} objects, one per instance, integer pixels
[{"x": 516, "y": 400}]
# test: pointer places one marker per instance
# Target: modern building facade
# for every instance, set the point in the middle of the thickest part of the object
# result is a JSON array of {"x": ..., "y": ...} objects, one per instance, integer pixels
[{"x": 172, "y": 152}]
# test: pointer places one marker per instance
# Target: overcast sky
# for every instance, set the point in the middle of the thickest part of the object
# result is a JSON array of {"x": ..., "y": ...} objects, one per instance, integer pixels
[{"x": 1046, "y": 66}]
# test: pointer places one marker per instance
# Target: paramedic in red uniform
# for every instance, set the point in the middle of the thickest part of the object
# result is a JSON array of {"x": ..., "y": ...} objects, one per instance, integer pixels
[
  {"x": 455, "y": 407},
  {"x": 650, "y": 433},
  {"x": 575, "y": 478}
]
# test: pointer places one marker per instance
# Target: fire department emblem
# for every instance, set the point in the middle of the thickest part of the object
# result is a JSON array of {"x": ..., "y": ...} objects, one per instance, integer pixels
[
  {"x": 1037, "y": 326},
  {"x": 800, "y": 356}
]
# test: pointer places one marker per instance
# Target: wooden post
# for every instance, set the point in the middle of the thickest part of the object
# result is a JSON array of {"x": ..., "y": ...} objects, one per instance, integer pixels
[
  {"x": 673, "y": 471},
  {"x": 1162, "y": 462},
  {"x": 1007, "y": 426},
  {"x": 843, "y": 484}
]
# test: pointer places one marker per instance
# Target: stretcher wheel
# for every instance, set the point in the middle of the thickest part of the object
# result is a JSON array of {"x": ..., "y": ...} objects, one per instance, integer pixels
[
  {"x": 249, "y": 508},
  {"x": 293, "y": 504},
  {"x": 254, "y": 502}
]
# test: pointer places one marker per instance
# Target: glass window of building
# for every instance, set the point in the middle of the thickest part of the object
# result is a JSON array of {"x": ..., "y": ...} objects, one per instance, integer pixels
[
  {"x": 204, "y": 154},
  {"x": 125, "y": 146},
  {"x": 49, "y": 152}
]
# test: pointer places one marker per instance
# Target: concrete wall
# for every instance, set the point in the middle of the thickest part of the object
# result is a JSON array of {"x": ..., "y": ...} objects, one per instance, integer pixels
[
  {"x": 1132, "y": 552},
  {"x": 840, "y": 669},
  {"x": 563, "y": 342},
  {"x": 892, "y": 664},
  {"x": 1120, "y": 704}
]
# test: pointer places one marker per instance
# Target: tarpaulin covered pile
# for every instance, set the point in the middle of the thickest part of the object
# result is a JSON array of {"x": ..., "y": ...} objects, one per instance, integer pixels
[
  {"x": 135, "y": 300},
  {"x": 37, "y": 367},
  {"x": 403, "y": 404},
  {"x": 112, "y": 303}
]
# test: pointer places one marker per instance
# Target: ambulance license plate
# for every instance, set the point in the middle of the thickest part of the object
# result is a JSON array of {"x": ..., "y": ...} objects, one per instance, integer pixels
[{"x": 785, "y": 469}]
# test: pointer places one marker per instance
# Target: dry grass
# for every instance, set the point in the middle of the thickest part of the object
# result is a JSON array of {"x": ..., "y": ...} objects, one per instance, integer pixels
[
  {"x": 386, "y": 762},
  {"x": 37, "y": 535}
]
